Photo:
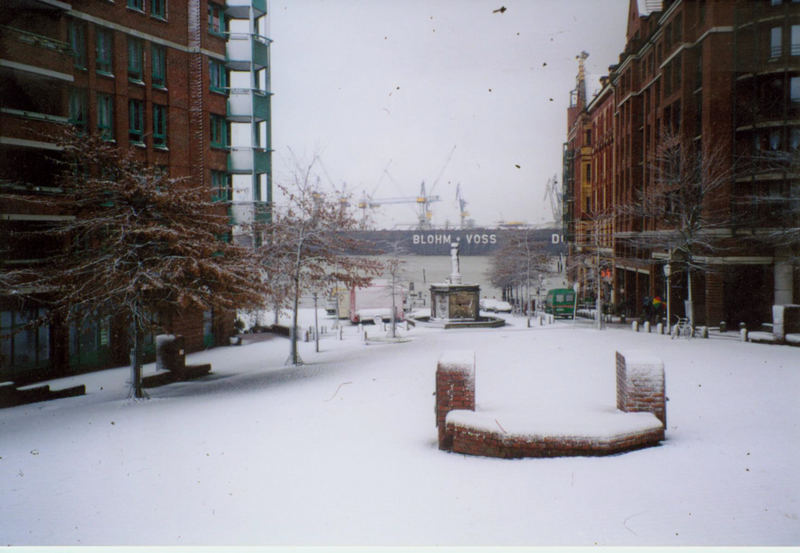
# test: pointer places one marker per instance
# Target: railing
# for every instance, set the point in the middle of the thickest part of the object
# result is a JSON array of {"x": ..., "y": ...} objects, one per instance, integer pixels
[{"x": 34, "y": 39}]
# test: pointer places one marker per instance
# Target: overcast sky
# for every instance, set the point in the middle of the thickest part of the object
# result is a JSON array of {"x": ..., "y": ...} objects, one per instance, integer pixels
[{"x": 390, "y": 93}]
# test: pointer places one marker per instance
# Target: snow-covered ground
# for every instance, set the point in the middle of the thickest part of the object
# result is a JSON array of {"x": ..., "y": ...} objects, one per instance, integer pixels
[{"x": 342, "y": 450}]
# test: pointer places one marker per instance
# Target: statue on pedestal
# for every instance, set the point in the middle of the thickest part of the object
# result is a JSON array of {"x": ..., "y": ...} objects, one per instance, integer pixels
[{"x": 455, "y": 273}]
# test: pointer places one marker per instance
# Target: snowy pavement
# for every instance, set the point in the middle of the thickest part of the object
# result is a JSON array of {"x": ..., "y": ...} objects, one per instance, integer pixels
[{"x": 342, "y": 450}]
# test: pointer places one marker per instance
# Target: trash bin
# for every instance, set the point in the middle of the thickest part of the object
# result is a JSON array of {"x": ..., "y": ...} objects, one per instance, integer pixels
[{"x": 170, "y": 353}]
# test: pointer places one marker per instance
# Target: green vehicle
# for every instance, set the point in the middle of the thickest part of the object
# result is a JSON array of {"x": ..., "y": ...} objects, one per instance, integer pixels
[{"x": 560, "y": 302}]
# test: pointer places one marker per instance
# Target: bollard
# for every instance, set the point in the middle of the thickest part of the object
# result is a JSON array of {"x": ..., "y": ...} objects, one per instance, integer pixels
[
  {"x": 635, "y": 326},
  {"x": 704, "y": 332},
  {"x": 341, "y": 331},
  {"x": 723, "y": 327},
  {"x": 743, "y": 334},
  {"x": 660, "y": 328},
  {"x": 647, "y": 327}
]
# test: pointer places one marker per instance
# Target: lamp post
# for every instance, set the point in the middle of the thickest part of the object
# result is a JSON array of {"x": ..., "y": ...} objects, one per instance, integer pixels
[
  {"x": 667, "y": 271},
  {"x": 576, "y": 287}
]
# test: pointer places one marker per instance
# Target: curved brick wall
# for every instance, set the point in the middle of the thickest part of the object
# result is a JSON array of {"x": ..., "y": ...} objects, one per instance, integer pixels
[{"x": 640, "y": 392}]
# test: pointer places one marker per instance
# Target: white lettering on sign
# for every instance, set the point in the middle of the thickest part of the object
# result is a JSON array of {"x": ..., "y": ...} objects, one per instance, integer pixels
[
  {"x": 556, "y": 238},
  {"x": 481, "y": 239},
  {"x": 426, "y": 239},
  {"x": 440, "y": 238}
]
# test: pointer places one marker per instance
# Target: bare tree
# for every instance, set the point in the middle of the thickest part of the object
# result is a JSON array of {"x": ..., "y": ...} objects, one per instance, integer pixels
[
  {"x": 307, "y": 241},
  {"x": 136, "y": 243},
  {"x": 679, "y": 213},
  {"x": 594, "y": 232},
  {"x": 519, "y": 262}
]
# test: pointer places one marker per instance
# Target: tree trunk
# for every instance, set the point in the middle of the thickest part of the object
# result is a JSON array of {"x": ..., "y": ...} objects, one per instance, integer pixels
[
  {"x": 293, "y": 334},
  {"x": 137, "y": 346}
]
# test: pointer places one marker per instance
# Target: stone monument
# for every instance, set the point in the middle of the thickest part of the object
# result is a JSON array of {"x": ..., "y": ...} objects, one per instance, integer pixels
[{"x": 453, "y": 300}]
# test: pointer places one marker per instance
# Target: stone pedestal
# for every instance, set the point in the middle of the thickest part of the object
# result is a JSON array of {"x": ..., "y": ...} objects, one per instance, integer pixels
[{"x": 455, "y": 302}]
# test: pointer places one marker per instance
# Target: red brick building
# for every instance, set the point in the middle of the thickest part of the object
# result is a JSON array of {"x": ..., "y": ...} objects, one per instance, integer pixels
[
  {"x": 720, "y": 78},
  {"x": 175, "y": 81}
]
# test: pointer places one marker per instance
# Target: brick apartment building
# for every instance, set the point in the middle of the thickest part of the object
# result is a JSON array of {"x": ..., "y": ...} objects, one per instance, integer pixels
[
  {"x": 184, "y": 84},
  {"x": 722, "y": 78}
]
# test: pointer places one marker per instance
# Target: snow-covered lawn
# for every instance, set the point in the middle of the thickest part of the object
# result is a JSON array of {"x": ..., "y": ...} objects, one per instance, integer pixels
[{"x": 342, "y": 451}]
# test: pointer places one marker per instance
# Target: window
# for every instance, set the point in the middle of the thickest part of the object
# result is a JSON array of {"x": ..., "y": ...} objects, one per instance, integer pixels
[
  {"x": 77, "y": 41},
  {"x": 158, "y": 58},
  {"x": 775, "y": 139},
  {"x": 135, "y": 121},
  {"x": 794, "y": 138},
  {"x": 219, "y": 131},
  {"x": 159, "y": 126},
  {"x": 104, "y": 51},
  {"x": 158, "y": 8},
  {"x": 22, "y": 344},
  {"x": 794, "y": 91},
  {"x": 795, "y": 48},
  {"x": 135, "y": 59},
  {"x": 78, "y": 104},
  {"x": 775, "y": 39},
  {"x": 105, "y": 116},
  {"x": 220, "y": 186},
  {"x": 218, "y": 76},
  {"x": 136, "y": 5},
  {"x": 216, "y": 19}
]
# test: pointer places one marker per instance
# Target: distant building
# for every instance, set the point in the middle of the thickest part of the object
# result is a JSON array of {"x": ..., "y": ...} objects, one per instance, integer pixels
[
  {"x": 722, "y": 77},
  {"x": 185, "y": 84}
]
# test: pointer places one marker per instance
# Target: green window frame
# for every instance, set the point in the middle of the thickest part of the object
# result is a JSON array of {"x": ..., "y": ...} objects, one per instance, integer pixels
[
  {"x": 104, "y": 52},
  {"x": 158, "y": 9},
  {"x": 105, "y": 116},
  {"x": 218, "y": 76},
  {"x": 77, "y": 42},
  {"x": 136, "y": 121},
  {"x": 159, "y": 126},
  {"x": 219, "y": 131},
  {"x": 137, "y": 5},
  {"x": 158, "y": 59},
  {"x": 135, "y": 59},
  {"x": 216, "y": 19},
  {"x": 78, "y": 106},
  {"x": 220, "y": 186}
]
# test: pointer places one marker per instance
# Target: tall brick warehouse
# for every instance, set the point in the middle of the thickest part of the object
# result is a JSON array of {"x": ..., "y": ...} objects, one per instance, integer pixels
[
  {"x": 185, "y": 84},
  {"x": 721, "y": 78}
]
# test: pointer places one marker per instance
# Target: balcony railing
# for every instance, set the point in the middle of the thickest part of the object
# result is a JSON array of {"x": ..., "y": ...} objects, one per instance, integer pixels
[
  {"x": 246, "y": 104},
  {"x": 244, "y": 49},
  {"x": 247, "y": 161},
  {"x": 238, "y": 9}
]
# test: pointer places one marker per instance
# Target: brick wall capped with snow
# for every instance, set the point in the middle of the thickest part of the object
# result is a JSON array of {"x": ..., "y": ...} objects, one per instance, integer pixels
[
  {"x": 640, "y": 384},
  {"x": 455, "y": 388},
  {"x": 639, "y": 422}
]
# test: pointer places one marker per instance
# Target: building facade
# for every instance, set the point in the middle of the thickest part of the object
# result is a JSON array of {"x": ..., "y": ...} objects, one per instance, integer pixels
[
  {"x": 710, "y": 90},
  {"x": 185, "y": 85}
]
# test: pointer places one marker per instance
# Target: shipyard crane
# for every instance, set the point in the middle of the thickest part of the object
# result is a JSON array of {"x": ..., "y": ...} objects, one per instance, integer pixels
[
  {"x": 423, "y": 201},
  {"x": 462, "y": 208}
]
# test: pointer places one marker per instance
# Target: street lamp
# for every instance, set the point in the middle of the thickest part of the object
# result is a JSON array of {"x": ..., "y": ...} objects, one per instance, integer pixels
[
  {"x": 667, "y": 272},
  {"x": 576, "y": 287}
]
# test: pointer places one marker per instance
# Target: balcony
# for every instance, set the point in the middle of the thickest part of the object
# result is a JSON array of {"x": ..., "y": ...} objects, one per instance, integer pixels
[
  {"x": 240, "y": 9},
  {"x": 19, "y": 47},
  {"x": 37, "y": 5},
  {"x": 244, "y": 50},
  {"x": 246, "y": 104},
  {"x": 248, "y": 161}
]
